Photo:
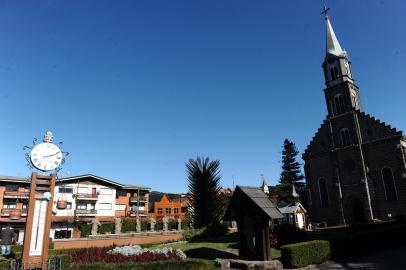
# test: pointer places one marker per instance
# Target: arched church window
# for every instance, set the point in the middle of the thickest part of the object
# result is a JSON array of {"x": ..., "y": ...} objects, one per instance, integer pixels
[
  {"x": 338, "y": 104},
  {"x": 345, "y": 137},
  {"x": 389, "y": 184},
  {"x": 323, "y": 192},
  {"x": 334, "y": 72},
  {"x": 333, "y": 77}
]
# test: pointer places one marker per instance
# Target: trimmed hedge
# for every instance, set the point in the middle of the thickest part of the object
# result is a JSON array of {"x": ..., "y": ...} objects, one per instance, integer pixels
[
  {"x": 19, "y": 248},
  {"x": 167, "y": 265},
  {"x": 85, "y": 229},
  {"x": 106, "y": 228},
  {"x": 305, "y": 253}
]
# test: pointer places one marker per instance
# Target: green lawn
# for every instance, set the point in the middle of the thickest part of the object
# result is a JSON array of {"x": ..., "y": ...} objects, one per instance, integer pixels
[{"x": 209, "y": 251}]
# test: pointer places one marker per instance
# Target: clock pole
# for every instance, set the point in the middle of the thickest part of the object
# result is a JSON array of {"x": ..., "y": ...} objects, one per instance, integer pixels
[
  {"x": 45, "y": 157},
  {"x": 38, "y": 225}
]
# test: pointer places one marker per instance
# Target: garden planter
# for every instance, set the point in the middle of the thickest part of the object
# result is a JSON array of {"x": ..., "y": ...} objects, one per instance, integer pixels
[
  {"x": 61, "y": 204},
  {"x": 15, "y": 214}
]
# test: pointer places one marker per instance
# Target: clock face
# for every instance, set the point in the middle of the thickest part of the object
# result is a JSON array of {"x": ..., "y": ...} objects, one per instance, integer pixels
[{"x": 46, "y": 156}]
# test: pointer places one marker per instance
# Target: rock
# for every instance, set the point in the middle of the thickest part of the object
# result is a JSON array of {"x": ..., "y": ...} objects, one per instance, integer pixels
[{"x": 249, "y": 265}]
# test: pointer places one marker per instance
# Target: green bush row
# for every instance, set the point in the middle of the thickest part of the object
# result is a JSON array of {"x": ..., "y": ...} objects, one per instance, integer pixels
[
  {"x": 305, "y": 253},
  {"x": 19, "y": 248},
  {"x": 167, "y": 265}
]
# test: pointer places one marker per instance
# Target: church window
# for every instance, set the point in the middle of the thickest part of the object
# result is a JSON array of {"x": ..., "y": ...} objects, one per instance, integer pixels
[
  {"x": 389, "y": 184},
  {"x": 345, "y": 137},
  {"x": 338, "y": 104},
  {"x": 323, "y": 192},
  {"x": 334, "y": 72}
]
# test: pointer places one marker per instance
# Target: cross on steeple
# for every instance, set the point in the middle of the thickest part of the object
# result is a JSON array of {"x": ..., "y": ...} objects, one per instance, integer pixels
[{"x": 325, "y": 10}]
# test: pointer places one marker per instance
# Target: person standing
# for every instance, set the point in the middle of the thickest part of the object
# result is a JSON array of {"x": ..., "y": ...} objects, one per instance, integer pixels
[{"x": 7, "y": 236}]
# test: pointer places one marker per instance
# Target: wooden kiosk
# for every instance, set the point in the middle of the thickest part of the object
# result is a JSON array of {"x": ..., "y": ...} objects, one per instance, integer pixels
[{"x": 254, "y": 213}]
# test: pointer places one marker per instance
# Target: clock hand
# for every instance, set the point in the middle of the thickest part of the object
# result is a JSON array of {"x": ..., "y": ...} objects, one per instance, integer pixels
[{"x": 51, "y": 155}]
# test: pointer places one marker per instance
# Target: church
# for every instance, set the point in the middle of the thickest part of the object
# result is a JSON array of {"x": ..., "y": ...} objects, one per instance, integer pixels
[{"x": 355, "y": 164}]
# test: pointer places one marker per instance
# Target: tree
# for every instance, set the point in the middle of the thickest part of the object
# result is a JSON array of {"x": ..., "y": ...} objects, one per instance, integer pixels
[
  {"x": 206, "y": 201},
  {"x": 291, "y": 172}
]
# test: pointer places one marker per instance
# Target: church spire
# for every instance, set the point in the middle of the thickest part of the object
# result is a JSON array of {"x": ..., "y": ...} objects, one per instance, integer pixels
[{"x": 332, "y": 45}]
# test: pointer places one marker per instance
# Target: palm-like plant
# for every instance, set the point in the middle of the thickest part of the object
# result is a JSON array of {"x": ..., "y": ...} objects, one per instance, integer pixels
[{"x": 206, "y": 201}]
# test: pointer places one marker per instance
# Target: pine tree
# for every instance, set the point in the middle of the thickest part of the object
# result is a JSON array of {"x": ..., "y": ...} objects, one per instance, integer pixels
[
  {"x": 291, "y": 172},
  {"x": 207, "y": 204}
]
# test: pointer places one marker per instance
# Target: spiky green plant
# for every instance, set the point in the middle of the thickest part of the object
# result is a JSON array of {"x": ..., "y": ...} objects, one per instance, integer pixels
[{"x": 206, "y": 202}]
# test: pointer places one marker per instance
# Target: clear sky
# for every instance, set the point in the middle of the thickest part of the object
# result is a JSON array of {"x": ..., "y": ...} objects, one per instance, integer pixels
[{"x": 136, "y": 88}]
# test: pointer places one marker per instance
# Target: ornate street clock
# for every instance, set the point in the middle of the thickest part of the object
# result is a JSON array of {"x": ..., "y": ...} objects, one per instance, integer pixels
[{"x": 46, "y": 156}]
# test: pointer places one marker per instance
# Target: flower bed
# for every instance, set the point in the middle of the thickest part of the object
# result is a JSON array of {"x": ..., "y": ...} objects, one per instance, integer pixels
[{"x": 132, "y": 253}]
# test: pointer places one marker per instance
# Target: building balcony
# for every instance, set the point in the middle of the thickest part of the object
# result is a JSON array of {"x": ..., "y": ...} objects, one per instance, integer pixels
[
  {"x": 5, "y": 212},
  {"x": 136, "y": 199},
  {"x": 16, "y": 195},
  {"x": 87, "y": 196},
  {"x": 86, "y": 212},
  {"x": 135, "y": 213}
]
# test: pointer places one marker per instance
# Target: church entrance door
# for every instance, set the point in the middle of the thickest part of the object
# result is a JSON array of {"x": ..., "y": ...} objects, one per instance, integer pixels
[{"x": 358, "y": 212}]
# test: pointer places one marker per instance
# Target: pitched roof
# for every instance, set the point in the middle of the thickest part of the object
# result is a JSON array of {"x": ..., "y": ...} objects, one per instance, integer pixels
[
  {"x": 288, "y": 209},
  {"x": 111, "y": 182},
  {"x": 256, "y": 196},
  {"x": 18, "y": 179}
]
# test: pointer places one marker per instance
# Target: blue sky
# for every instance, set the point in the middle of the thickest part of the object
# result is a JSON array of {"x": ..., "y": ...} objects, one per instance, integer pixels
[{"x": 136, "y": 88}]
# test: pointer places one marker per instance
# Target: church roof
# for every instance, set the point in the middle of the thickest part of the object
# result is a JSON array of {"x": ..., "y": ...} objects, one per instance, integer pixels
[
  {"x": 372, "y": 129},
  {"x": 256, "y": 196},
  {"x": 332, "y": 45}
]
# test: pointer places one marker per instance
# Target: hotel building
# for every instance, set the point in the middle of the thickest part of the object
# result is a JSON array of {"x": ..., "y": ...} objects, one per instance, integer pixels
[{"x": 87, "y": 198}]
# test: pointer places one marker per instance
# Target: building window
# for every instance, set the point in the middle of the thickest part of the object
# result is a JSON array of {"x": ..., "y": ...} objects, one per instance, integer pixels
[
  {"x": 184, "y": 209},
  {"x": 62, "y": 234},
  {"x": 121, "y": 193},
  {"x": 68, "y": 205},
  {"x": 168, "y": 210},
  {"x": 345, "y": 137},
  {"x": 65, "y": 189},
  {"x": 323, "y": 192},
  {"x": 334, "y": 72},
  {"x": 159, "y": 210},
  {"x": 389, "y": 184},
  {"x": 10, "y": 205},
  {"x": 82, "y": 206},
  {"x": 176, "y": 210},
  {"x": 338, "y": 105},
  {"x": 11, "y": 187}
]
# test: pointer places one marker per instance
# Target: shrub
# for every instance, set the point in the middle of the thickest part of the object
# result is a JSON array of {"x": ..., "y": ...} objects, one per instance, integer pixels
[
  {"x": 168, "y": 265},
  {"x": 288, "y": 234},
  {"x": 128, "y": 225},
  {"x": 305, "y": 253},
  {"x": 106, "y": 227},
  {"x": 159, "y": 225},
  {"x": 19, "y": 248},
  {"x": 144, "y": 225},
  {"x": 85, "y": 229},
  {"x": 191, "y": 233},
  {"x": 185, "y": 224}
]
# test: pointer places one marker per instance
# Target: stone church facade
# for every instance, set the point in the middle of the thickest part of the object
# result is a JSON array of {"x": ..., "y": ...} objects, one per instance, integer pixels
[{"x": 355, "y": 164}]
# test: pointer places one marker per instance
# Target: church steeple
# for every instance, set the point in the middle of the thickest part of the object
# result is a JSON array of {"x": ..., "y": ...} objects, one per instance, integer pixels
[
  {"x": 341, "y": 92},
  {"x": 332, "y": 45}
]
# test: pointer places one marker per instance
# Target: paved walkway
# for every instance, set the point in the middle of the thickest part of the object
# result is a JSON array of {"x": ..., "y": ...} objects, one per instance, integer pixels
[{"x": 391, "y": 259}]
